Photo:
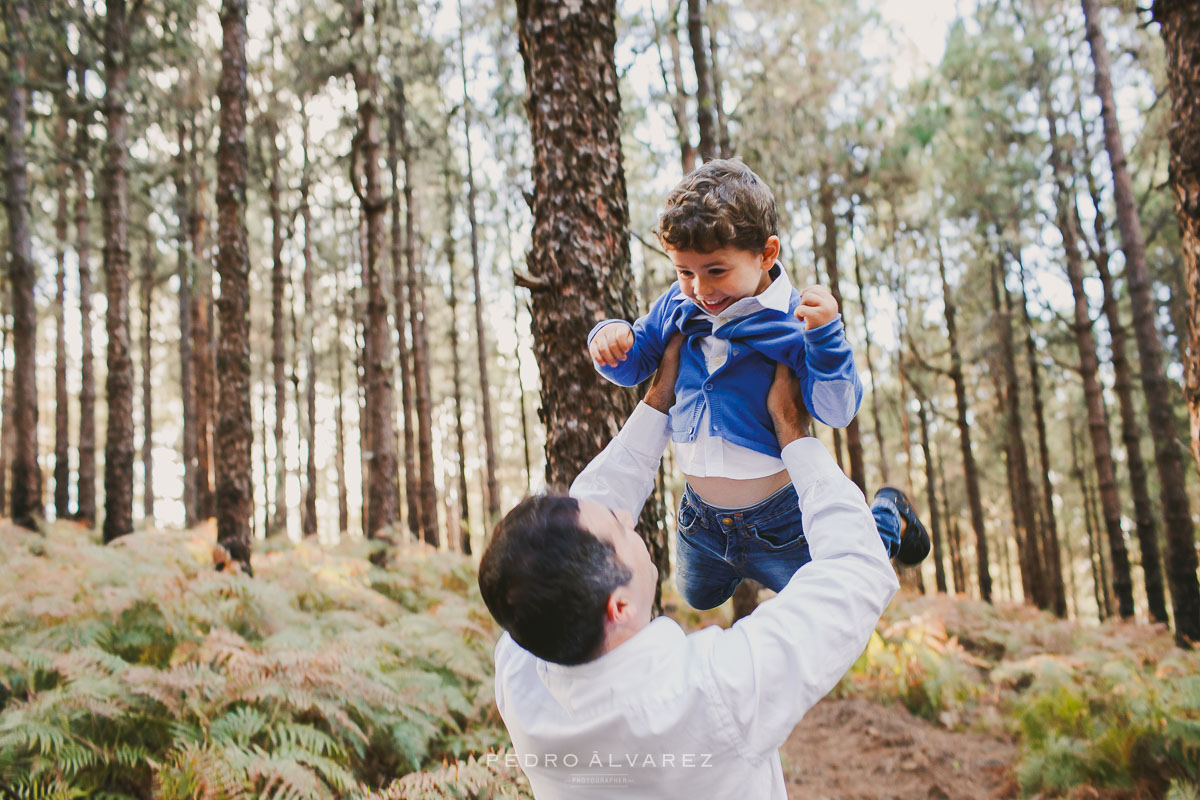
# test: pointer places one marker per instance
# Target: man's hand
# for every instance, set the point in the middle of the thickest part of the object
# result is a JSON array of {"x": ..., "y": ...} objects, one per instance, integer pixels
[
  {"x": 817, "y": 307},
  {"x": 611, "y": 344},
  {"x": 785, "y": 403},
  {"x": 661, "y": 395}
]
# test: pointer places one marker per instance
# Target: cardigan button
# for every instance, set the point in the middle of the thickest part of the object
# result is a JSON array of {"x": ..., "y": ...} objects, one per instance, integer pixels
[{"x": 708, "y": 387}]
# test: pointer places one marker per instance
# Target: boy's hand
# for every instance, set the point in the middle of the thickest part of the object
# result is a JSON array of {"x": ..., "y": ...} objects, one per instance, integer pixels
[
  {"x": 611, "y": 344},
  {"x": 661, "y": 394},
  {"x": 817, "y": 307},
  {"x": 785, "y": 403}
]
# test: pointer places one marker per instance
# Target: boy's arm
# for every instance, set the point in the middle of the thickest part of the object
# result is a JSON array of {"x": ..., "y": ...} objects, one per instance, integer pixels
[
  {"x": 622, "y": 475},
  {"x": 775, "y": 664},
  {"x": 650, "y": 335},
  {"x": 832, "y": 389}
]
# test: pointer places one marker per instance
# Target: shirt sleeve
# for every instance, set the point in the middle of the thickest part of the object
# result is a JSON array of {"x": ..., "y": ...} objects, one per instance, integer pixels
[
  {"x": 775, "y": 664},
  {"x": 622, "y": 475},
  {"x": 832, "y": 389},
  {"x": 650, "y": 335}
]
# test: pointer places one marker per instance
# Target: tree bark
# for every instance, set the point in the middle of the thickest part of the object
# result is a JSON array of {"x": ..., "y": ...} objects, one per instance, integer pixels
[
  {"x": 970, "y": 471},
  {"x": 1053, "y": 563},
  {"x": 147, "y": 366},
  {"x": 235, "y": 436},
  {"x": 1032, "y": 559},
  {"x": 278, "y": 347},
  {"x": 854, "y": 449},
  {"x": 186, "y": 379},
  {"x": 339, "y": 419},
  {"x": 875, "y": 417},
  {"x": 1131, "y": 434},
  {"x": 579, "y": 272},
  {"x": 1099, "y": 584},
  {"x": 1179, "y": 22},
  {"x": 493, "y": 491},
  {"x": 1097, "y": 416},
  {"x": 704, "y": 104},
  {"x": 6, "y": 396},
  {"x": 62, "y": 422},
  {"x": 308, "y": 512},
  {"x": 402, "y": 278},
  {"x": 1180, "y": 28},
  {"x": 1181, "y": 547},
  {"x": 464, "y": 509},
  {"x": 723, "y": 144},
  {"x": 85, "y": 487},
  {"x": 427, "y": 492},
  {"x": 935, "y": 527},
  {"x": 26, "y": 493},
  {"x": 517, "y": 352},
  {"x": 118, "y": 446},
  {"x": 381, "y": 458},
  {"x": 202, "y": 332}
]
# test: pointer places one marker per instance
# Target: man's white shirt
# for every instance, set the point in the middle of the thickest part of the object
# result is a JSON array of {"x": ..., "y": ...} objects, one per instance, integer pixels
[{"x": 670, "y": 715}]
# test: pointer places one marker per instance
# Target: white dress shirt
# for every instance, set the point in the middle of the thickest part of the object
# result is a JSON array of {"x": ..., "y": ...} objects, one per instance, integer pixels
[
  {"x": 669, "y": 715},
  {"x": 711, "y": 456}
]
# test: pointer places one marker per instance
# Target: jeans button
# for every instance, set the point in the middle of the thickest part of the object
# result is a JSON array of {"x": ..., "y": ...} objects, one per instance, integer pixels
[{"x": 726, "y": 521}]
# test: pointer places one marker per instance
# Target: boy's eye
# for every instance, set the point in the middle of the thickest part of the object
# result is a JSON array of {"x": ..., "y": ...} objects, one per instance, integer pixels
[
  {"x": 716, "y": 273},
  {"x": 684, "y": 273}
]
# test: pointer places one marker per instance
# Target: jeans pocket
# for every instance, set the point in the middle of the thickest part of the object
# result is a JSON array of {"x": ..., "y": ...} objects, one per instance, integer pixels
[
  {"x": 688, "y": 519},
  {"x": 781, "y": 533}
]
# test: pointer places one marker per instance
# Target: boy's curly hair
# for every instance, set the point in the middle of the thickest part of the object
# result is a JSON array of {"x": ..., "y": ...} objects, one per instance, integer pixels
[{"x": 720, "y": 204}]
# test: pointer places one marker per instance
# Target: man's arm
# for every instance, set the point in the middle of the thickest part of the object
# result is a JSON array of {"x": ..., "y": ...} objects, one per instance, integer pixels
[
  {"x": 622, "y": 475},
  {"x": 774, "y": 665}
]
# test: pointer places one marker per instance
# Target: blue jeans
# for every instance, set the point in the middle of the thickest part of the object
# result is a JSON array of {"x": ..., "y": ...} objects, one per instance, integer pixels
[{"x": 717, "y": 547}]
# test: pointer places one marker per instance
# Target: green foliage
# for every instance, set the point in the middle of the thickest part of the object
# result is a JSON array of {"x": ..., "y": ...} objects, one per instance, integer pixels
[
  {"x": 490, "y": 778},
  {"x": 1111, "y": 708},
  {"x": 135, "y": 668}
]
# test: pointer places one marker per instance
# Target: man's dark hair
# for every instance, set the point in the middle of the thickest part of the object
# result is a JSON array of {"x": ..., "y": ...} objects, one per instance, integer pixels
[
  {"x": 547, "y": 580},
  {"x": 720, "y": 204}
]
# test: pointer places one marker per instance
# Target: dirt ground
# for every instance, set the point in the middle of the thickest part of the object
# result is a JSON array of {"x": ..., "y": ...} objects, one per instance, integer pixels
[{"x": 853, "y": 749}]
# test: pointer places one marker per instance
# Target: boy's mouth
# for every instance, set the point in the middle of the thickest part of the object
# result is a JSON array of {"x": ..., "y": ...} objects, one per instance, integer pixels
[{"x": 713, "y": 308}]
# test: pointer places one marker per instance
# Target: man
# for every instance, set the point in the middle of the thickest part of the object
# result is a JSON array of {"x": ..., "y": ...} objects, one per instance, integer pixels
[{"x": 602, "y": 701}]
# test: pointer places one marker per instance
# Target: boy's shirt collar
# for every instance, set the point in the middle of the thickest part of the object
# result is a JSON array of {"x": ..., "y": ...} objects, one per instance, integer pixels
[{"x": 776, "y": 297}]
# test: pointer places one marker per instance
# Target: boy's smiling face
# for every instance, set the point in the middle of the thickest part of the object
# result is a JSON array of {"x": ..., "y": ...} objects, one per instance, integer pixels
[{"x": 717, "y": 279}]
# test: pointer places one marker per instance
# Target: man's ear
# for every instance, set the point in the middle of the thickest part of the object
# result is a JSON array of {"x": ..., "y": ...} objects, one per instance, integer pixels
[
  {"x": 770, "y": 252},
  {"x": 619, "y": 606}
]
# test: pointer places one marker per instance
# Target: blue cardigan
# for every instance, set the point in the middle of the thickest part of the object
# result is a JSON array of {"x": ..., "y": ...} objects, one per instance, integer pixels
[{"x": 736, "y": 392}]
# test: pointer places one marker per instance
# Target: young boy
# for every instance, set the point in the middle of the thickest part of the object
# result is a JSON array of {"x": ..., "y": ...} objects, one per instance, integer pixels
[{"x": 739, "y": 314}]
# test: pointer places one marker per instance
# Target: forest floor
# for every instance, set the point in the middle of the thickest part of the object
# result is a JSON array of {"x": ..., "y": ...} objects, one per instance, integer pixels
[{"x": 854, "y": 749}]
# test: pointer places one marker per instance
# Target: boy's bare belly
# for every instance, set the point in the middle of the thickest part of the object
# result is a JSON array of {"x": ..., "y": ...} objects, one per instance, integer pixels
[{"x": 736, "y": 492}]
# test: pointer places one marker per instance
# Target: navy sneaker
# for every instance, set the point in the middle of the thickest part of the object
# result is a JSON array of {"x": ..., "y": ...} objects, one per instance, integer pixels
[{"x": 914, "y": 539}]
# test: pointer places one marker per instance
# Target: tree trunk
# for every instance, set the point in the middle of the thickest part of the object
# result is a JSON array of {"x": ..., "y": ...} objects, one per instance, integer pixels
[
  {"x": 399, "y": 278},
  {"x": 970, "y": 471},
  {"x": 278, "y": 347},
  {"x": 26, "y": 494},
  {"x": 186, "y": 379},
  {"x": 581, "y": 272},
  {"x": 935, "y": 527},
  {"x": 493, "y": 492},
  {"x": 118, "y": 446},
  {"x": 62, "y": 422},
  {"x": 1097, "y": 418},
  {"x": 464, "y": 509},
  {"x": 235, "y": 436},
  {"x": 381, "y": 473},
  {"x": 339, "y": 419},
  {"x": 1053, "y": 563},
  {"x": 517, "y": 352},
  {"x": 1033, "y": 560},
  {"x": 875, "y": 417},
  {"x": 854, "y": 449},
  {"x": 678, "y": 94},
  {"x": 723, "y": 145},
  {"x": 202, "y": 335},
  {"x": 1181, "y": 548},
  {"x": 1099, "y": 584},
  {"x": 958, "y": 569},
  {"x": 1131, "y": 434},
  {"x": 1180, "y": 29},
  {"x": 427, "y": 492},
  {"x": 147, "y": 366},
  {"x": 6, "y": 396},
  {"x": 308, "y": 511},
  {"x": 85, "y": 487},
  {"x": 704, "y": 104}
]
